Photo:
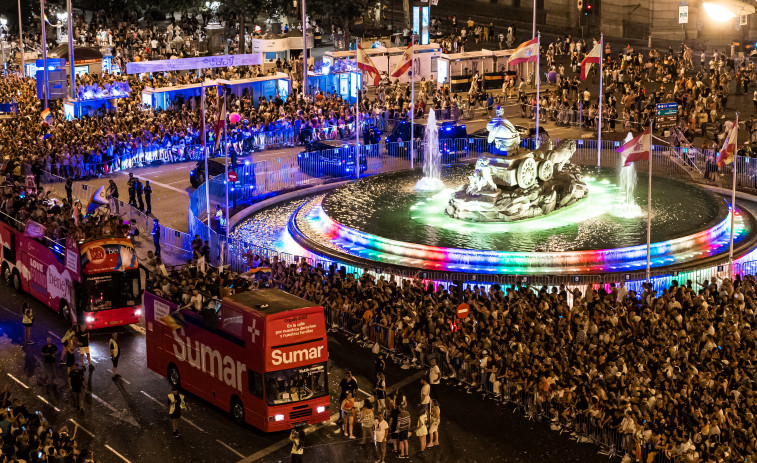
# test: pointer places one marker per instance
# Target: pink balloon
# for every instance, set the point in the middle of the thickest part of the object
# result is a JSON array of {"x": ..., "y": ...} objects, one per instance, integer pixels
[{"x": 234, "y": 118}]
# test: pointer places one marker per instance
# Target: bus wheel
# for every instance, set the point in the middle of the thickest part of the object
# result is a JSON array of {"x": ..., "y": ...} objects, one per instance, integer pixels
[
  {"x": 237, "y": 410},
  {"x": 64, "y": 311},
  {"x": 173, "y": 376},
  {"x": 7, "y": 275},
  {"x": 16, "y": 281}
]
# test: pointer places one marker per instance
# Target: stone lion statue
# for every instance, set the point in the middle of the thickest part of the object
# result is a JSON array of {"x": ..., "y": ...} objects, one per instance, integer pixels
[
  {"x": 481, "y": 180},
  {"x": 562, "y": 153}
]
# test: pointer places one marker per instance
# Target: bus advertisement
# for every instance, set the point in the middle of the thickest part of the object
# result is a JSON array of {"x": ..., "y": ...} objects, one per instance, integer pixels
[
  {"x": 96, "y": 283},
  {"x": 261, "y": 355}
]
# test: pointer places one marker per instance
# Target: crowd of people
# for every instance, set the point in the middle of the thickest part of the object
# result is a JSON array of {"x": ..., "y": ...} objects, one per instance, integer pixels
[
  {"x": 669, "y": 373},
  {"x": 27, "y": 436}
]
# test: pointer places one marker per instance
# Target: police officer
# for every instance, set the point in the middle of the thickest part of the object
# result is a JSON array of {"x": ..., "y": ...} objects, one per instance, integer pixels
[
  {"x": 176, "y": 404},
  {"x": 141, "y": 206},
  {"x": 156, "y": 237},
  {"x": 148, "y": 197},
  {"x": 132, "y": 183}
]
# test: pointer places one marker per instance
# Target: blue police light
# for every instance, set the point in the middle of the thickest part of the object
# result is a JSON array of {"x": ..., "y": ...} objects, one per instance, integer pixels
[{"x": 247, "y": 163}]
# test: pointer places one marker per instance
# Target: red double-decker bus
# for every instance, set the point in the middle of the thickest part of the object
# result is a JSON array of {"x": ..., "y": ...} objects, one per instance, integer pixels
[
  {"x": 96, "y": 283},
  {"x": 261, "y": 355}
]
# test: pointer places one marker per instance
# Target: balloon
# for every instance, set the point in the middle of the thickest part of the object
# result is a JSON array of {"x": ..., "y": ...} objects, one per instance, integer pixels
[{"x": 234, "y": 118}]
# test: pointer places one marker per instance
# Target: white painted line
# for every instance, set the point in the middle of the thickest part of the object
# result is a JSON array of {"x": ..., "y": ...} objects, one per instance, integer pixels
[
  {"x": 17, "y": 380},
  {"x": 81, "y": 427},
  {"x": 284, "y": 442},
  {"x": 137, "y": 328},
  {"x": 177, "y": 181},
  {"x": 11, "y": 311},
  {"x": 121, "y": 378},
  {"x": 48, "y": 403},
  {"x": 229, "y": 447},
  {"x": 192, "y": 424},
  {"x": 165, "y": 405},
  {"x": 53, "y": 335},
  {"x": 154, "y": 399},
  {"x": 117, "y": 454}
]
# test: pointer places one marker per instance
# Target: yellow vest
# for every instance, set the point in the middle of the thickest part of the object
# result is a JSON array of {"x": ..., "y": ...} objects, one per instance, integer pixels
[{"x": 173, "y": 401}]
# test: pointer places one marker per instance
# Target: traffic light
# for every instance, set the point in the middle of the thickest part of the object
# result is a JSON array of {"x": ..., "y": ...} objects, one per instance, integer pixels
[
  {"x": 580, "y": 5},
  {"x": 588, "y": 9}
]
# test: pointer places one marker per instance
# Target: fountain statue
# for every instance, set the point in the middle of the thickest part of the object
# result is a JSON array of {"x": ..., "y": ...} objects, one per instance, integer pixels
[
  {"x": 432, "y": 158},
  {"x": 502, "y": 134},
  {"x": 523, "y": 185}
]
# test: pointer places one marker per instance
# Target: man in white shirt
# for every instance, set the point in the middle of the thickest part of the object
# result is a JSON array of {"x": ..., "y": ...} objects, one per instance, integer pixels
[
  {"x": 380, "y": 427},
  {"x": 425, "y": 393}
]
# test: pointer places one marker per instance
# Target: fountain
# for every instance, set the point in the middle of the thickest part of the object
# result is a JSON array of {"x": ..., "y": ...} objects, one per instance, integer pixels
[
  {"x": 627, "y": 207},
  {"x": 432, "y": 158}
]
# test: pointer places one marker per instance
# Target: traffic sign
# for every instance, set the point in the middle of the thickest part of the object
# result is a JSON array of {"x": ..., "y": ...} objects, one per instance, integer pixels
[
  {"x": 667, "y": 114},
  {"x": 233, "y": 176},
  {"x": 576, "y": 279},
  {"x": 683, "y": 13},
  {"x": 463, "y": 310}
]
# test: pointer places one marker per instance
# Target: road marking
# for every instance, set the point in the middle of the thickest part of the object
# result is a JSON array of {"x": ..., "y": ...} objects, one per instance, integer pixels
[
  {"x": 117, "y": 454},
  {"x": 177, "y": 181},
  {"x": 17, "y": 380},
  {"x": 229, "y": 447},
  {"x": 11, "y": 311},
  {"x": 53, "y": 335},
  {"x": 164, "y": 185},
  {"x": 121, "y": 378},
  {"x": 119, "y": 415},
  {"x": 137, "y": 328},
  {"x": 81, "y": 427},
  {"x": 165, "y": 405},
  {"x": 154, "y": 399},
  {"x": 48, "y": 403}
]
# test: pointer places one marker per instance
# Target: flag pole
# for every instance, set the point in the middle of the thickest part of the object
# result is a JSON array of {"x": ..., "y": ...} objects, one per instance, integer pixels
[
  {"x": 357, "y": 111},
  {"x": 599, "y": 125},
  {"x": 44, "y": 53},
  {"x": 538, "y": 80},
  {"x": 204, "y": 136},
  {"x": 226, "y": 163},
  {"x": 412, "y": 99},
  {"x": 649, "y": 206},
  {"x": 733, "y": 196}
]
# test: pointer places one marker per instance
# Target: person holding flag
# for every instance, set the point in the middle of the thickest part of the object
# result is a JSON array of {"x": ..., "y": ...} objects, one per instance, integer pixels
[{"x": 47, "y": 116}]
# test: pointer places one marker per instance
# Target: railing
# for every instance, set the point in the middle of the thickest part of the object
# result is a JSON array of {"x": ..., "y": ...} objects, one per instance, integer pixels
[{"x": 271, "y": 177}]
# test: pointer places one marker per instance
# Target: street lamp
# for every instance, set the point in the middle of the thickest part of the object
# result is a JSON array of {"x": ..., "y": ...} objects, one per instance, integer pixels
[
  {"x": 3, "y": 29},
  {"x": 717, "y": 12}
]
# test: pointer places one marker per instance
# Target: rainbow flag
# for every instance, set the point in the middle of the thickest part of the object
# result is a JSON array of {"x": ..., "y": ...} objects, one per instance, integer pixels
[
  {"x": 47, "y": 116},
  {"x": 97, "y": 200},
  {"x": 46, "y": 20}
]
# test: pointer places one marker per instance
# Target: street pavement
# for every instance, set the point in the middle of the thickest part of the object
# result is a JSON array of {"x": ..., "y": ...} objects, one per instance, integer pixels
[{"x": 126, "y": 420}]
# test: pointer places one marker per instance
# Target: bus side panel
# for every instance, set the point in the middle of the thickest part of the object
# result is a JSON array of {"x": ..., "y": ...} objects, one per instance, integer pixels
[{"x": 154, "y": 334}]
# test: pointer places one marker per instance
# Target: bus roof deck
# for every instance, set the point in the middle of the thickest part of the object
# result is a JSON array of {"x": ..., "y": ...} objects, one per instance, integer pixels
[{"x": 269, "y": 301}]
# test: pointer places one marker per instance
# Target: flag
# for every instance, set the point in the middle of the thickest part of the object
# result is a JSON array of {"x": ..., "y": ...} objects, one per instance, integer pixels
[
  {"x": 365, "y": 63},
  {"x": 221, "y": 121},
  {"x": 46, "y": 20},
  {"x": 47, "y": 116},
  {"x": 526, "y": 52},
  {"x": 726, "y": 154},
  {"x": 174, "y": 320},
  {"x": 97, "y": 200},
  {"x": 636, "y": 149},
  {"x": 594, "y": 56},
  {"x": 405, "y": 61}
]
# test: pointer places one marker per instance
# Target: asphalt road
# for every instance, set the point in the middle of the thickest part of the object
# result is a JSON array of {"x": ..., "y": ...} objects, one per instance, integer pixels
[{"x": 126, "y": 420}]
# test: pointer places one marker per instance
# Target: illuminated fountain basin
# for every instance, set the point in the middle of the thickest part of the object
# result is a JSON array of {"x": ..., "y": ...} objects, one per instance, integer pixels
[{"x": 383, "y": 219}]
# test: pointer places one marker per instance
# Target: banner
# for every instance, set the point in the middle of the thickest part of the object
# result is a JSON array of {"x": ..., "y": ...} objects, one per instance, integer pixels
[{"x": 202, "y": 62}]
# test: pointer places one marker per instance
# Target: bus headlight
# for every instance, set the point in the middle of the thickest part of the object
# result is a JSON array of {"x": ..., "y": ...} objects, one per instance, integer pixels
[
  {"x": 138, "y": 313},
  {"x": 320, "y": 409},
  {"x": 89, "y": 319},
  {"x": 279, "y": 417}
]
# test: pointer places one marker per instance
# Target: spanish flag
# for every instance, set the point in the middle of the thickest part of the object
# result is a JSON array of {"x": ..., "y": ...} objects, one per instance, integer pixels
[{"x": 47, "y": 117}]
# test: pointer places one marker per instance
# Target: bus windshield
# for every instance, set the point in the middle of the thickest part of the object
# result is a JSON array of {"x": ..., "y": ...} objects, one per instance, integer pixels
[
  {"x": 112, "y": 290},
  {"x": 296, "y": 384}
]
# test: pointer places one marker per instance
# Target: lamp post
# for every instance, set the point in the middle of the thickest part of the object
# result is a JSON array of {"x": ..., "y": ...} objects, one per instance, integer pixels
[
  {"x": 3, "y": 29},
  {"x": 304, "y": 51},
  {"x": 21, "y": 39},
  {"x": 71, "y": 48},
  {"x": 44, "y": 52}
]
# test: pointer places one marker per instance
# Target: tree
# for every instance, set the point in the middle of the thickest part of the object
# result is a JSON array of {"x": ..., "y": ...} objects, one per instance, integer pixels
[
  {"x": 346, "y": 11},
  {"x": 252, "y": 9}
]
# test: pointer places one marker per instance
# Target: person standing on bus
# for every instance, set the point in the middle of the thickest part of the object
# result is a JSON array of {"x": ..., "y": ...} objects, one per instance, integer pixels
[
  {"x": 176, "y": 404},
  {"x": 297, "y": 438},
  {"x": 115, "y": 354},
  {"x": 82, "y": 338},
  {"x": 28, "y": 320}
]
